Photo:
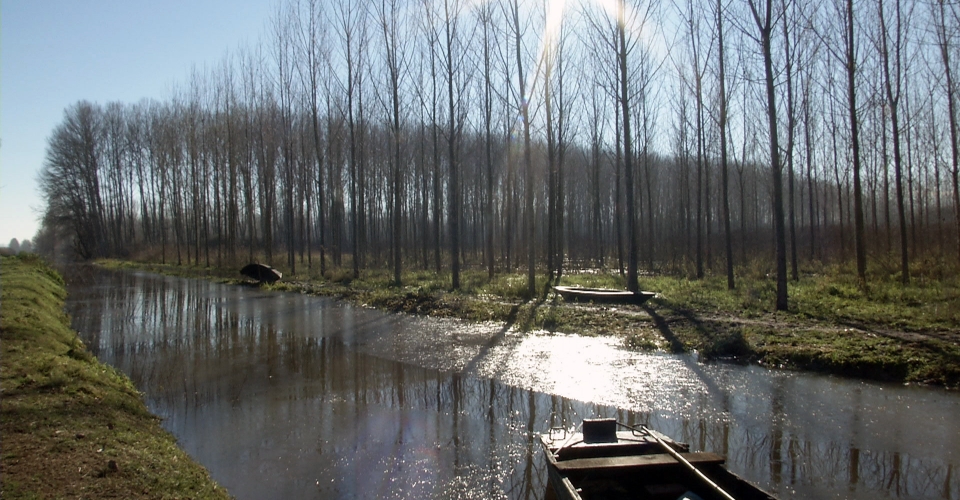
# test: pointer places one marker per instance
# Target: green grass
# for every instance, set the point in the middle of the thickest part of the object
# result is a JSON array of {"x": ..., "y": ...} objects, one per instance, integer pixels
[
  {"x": 71, "y": 426},
  {"x": 830, "y": 294},
  {"x": 864, "y": 355}
]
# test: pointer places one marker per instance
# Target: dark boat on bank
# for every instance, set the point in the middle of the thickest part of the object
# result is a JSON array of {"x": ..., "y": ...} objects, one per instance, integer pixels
[
  {"x": 602, "y": 295},
  {"x": 602, "y": 462},
  {"x": 261, "y": 273}
]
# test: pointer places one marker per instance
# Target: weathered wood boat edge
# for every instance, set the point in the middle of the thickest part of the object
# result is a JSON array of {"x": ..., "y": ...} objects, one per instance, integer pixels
[
  {"x": 261, "y": 272},
  {"x": 564, "y": 485},
  {"x": 602, "y": 295}
]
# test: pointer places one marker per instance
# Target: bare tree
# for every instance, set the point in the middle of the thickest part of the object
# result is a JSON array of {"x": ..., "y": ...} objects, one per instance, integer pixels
[
  {"x": 70, "y": 178},
  {"x": 691, "y": 17},
  {"x": 261, "y": 151},
  {"x": 624, "y": 101},
  {"x": 312, "y": 48},
  {"x": 893, "y": 91},
  {"x": 789, "y": 56},
  {"x": 452, "y": 56},
  {"x": 944, "y": 39},
  {"x": 351, "y": 23},
  {"x": 522, "y": 99},
  {"x": 433, "y": 41},
  {"x": 763, "y": 17},
  {"x": 722, "y": 123},
  {"x": 485, "y": 14},
  {"x": 850, "y": 62},
  {"x": 388, "y": 13}
]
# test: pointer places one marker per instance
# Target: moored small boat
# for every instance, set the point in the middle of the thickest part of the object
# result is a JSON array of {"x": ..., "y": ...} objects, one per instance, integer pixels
[
  {"x": 601, "y": 461},
  {"x": 261, "y": 272},
  {"x": 602, "y": 295}
]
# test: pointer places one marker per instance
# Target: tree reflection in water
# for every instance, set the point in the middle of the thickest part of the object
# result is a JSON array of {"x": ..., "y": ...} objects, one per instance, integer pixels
[{"x": 291, "y": 396}]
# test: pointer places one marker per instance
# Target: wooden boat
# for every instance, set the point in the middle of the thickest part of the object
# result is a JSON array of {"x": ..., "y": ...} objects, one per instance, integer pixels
[
  {"x": 601, "y": 461},
  {"x": 602, "y": 295},
  {"x": 261, "y": 273}
]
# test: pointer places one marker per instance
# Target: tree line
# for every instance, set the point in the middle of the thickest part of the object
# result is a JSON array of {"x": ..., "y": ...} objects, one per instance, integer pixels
[{"x": 511, "y": 135}]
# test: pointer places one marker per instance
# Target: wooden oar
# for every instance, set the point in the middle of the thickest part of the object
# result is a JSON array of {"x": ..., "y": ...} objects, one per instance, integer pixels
[{"x": 709, "y": 482}]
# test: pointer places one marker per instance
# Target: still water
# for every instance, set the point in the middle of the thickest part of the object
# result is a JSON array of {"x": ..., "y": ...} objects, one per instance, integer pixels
[{"x": 284, "y": 395}]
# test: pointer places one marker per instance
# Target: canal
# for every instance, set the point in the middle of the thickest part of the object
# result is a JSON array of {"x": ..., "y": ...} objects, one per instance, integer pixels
[{"x": 284, "y": 395}]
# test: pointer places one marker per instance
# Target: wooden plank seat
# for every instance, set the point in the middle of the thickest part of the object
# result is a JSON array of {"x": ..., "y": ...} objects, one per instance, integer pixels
[{"x": 631, "y": 462}]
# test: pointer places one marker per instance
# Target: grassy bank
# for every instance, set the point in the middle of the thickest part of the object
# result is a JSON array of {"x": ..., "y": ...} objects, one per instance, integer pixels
[
  {"x": 71, "y": 426},
  {"x": 887, "y": 332}
]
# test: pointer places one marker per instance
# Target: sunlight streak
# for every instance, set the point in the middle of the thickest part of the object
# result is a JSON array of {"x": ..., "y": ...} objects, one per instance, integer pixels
[
  {"x": 550, "y": 40},
  {"x": 553, "y": 22},
  {"x": 641, "y": 26}
]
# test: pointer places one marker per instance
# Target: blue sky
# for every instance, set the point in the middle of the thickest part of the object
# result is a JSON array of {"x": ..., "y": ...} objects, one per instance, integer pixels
[{"x": 54, "y": 53}]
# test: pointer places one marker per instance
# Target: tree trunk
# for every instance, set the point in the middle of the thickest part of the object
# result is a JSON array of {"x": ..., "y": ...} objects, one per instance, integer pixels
[
  {"x": 632, "y": 258},
  {"x": 851, "y": 68},
  {"x": 893, "y": 104},
  {"x": 765, "y": 26},
  {"x": 728, "y": 238}
]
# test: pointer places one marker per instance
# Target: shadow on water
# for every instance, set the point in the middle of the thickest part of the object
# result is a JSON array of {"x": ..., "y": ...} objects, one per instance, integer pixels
[
  {"x": 494, "y": 340},
  {"x": 510, "y": 324},
  {"x": 291, "y": 396},
  {"x": 661, "y": 324}
]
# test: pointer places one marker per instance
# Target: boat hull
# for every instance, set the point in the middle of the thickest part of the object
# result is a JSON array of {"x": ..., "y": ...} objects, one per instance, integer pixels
[
  {"x": 633, "y": 466},
  {"x": 261, "y": 273},
  {"x": 602, "y": 295}
]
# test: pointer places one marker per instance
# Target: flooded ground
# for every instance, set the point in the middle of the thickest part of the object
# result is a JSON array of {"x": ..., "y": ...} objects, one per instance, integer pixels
[{"x": 291, "y": 396}]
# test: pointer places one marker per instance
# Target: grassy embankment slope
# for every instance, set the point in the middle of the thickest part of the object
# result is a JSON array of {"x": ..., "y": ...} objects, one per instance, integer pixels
[
  {"x": 888, "y": 332},
  {"x": 71, "y": 426}
]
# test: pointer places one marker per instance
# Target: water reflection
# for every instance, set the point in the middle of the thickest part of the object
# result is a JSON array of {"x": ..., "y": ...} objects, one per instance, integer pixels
[{"x": 289, "y": 396}]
